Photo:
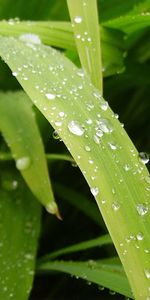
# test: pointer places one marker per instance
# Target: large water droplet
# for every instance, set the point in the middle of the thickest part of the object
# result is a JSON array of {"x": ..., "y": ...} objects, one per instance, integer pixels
[
  {"x": 105, "y": 125},
  {"x": 140, "y": 236},
  {"x": 78, "y": 19},
  {"x": 30, "y": 38},
  {"x": 142, "y": 209},
  {"x": 94, "y": 191},
  {"x": 50, "y": 96},
  {"x": 75, "y": 128},
  {"x": 144, "y": 158},
  {"x": 104, "y": 105},
  {"x": 23, "y": 163},
  {"x": 147, "y": 273}
]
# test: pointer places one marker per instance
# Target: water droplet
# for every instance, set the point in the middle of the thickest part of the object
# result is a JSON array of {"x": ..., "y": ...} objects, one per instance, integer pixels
[
  {"x": 61, "y": 114},
  {"x": 96, "y": 139},
  {"x": 95, "y": 191},
  {"x": 78, "y": 19},
  {"x": 105, "y": 125},
  {"x": 23, "y": 163},
  {"x": 30, "y": 38},
  {"x": 140, "y": 236},
  {"x": 50, "y": 96},
  {"x": 142, "y": 209},
  {"x": 144, "y": 158},
  {"x": 101, "y": 288},
  {"x": 115, "y": 205},
  {"x": 15, "y": 74},
  {"x": 89, "y": 121},
  {"x": 75, "y": 128},
  {"x": 55, "y": 135},
  {"x": 112, "y": 292},
  {"x": 112, "y": 145},
  {"x": 127, "y": 167},
  {"x": 104, "y": 105},
  {"x": 147, "y": 273},
  {"x": 99, "y": 133},
  {"x": 87, "y": 148}
]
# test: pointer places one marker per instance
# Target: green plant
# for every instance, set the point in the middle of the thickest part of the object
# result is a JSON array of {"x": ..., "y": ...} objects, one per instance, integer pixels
[{"x": 70, "y": 98}]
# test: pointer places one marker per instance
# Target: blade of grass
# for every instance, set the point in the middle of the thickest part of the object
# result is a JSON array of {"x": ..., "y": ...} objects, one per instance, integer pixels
[
  {"x": 19, "y": 128},
  {"x": 97, "y": 242},
  {"x": 20, "y": 216},
  {"x": 84, "y": 16},
  {"x": 60, "y": 34},
  {"x": 130, "y": 23},
  {"x": 49, "y": 156},
  {"x": 108, "y": 274},
  {"x": 111, "y": 165}
]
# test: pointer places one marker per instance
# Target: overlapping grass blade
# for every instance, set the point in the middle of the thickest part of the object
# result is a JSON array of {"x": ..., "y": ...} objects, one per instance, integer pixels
[
  {"x": 20, "y": 216},
  {"x": 84, "y": 17},
  {"x": 130, "y": 23},
  {"x": 107, "y": 273},
  {"x": 19, "y": 128},
  {"x": 97, "y": 242},
  {"x": 109, "y": 161},
  {"x": 60, "y": 34}
]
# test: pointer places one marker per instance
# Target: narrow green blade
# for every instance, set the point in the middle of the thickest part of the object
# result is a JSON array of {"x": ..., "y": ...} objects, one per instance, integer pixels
[
  {"x": 60, "y": 34},
  {"x": 115, "y": 172},
  {"x": 103, "y": 273},
  {"x": 97, "y": 242},
  {"x": 19, "y": 128},
  {"x": 130, "y": 23},
  {"x": 84, "y": 17},
  {"x": 19, "y": 233}
]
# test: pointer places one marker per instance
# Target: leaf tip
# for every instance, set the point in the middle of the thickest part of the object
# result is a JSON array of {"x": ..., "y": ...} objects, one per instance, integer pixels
[{"x": 52, "y": 208}]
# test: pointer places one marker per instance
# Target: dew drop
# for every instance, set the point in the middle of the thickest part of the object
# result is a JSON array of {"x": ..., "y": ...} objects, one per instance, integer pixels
[
  {"x": 127, "y": 167},
  {"x": 142, "y": 209},
  {"x": 99, "y": 133},
  {"x": 30, "y": 38},
  {"x": 140, "y": 236},
  {"x": 147, "y": 273},
  {"x": 104, "y": 105},
  {"x": 75, "y": 128},
  {"x": 61, "y": 114},
  {"x": 95, "y": 191},
  {"x": 23, "y": 163},
  {"x": 78, "y": 19},
  {"x": 50, "y": 96},
  {"x": 112, "y": 146},
  {"x": 144, "y": 158},
  {"x": 87, "y": 148},
  {"x": 15, "y": 74},
  {"x": 105, "y": 125},
  {"x": 55, "y": 135},
  {"x": 115, "y": 205}
]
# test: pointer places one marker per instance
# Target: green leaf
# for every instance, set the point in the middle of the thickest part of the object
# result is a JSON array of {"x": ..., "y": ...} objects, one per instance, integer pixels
[
  {"x": 115, "y": 8},
  {"x": 111, "y": 165},
  {"x": 84, "y": 17},
  {"x": 20, "y": 216},
  {"x": 97, "y": 242},
  {"x": 130, "y": 23},
  {"x": 60, "y": 34},
  {"x": 107, "y": 273},
  {"x": 19, "y": 128}
]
